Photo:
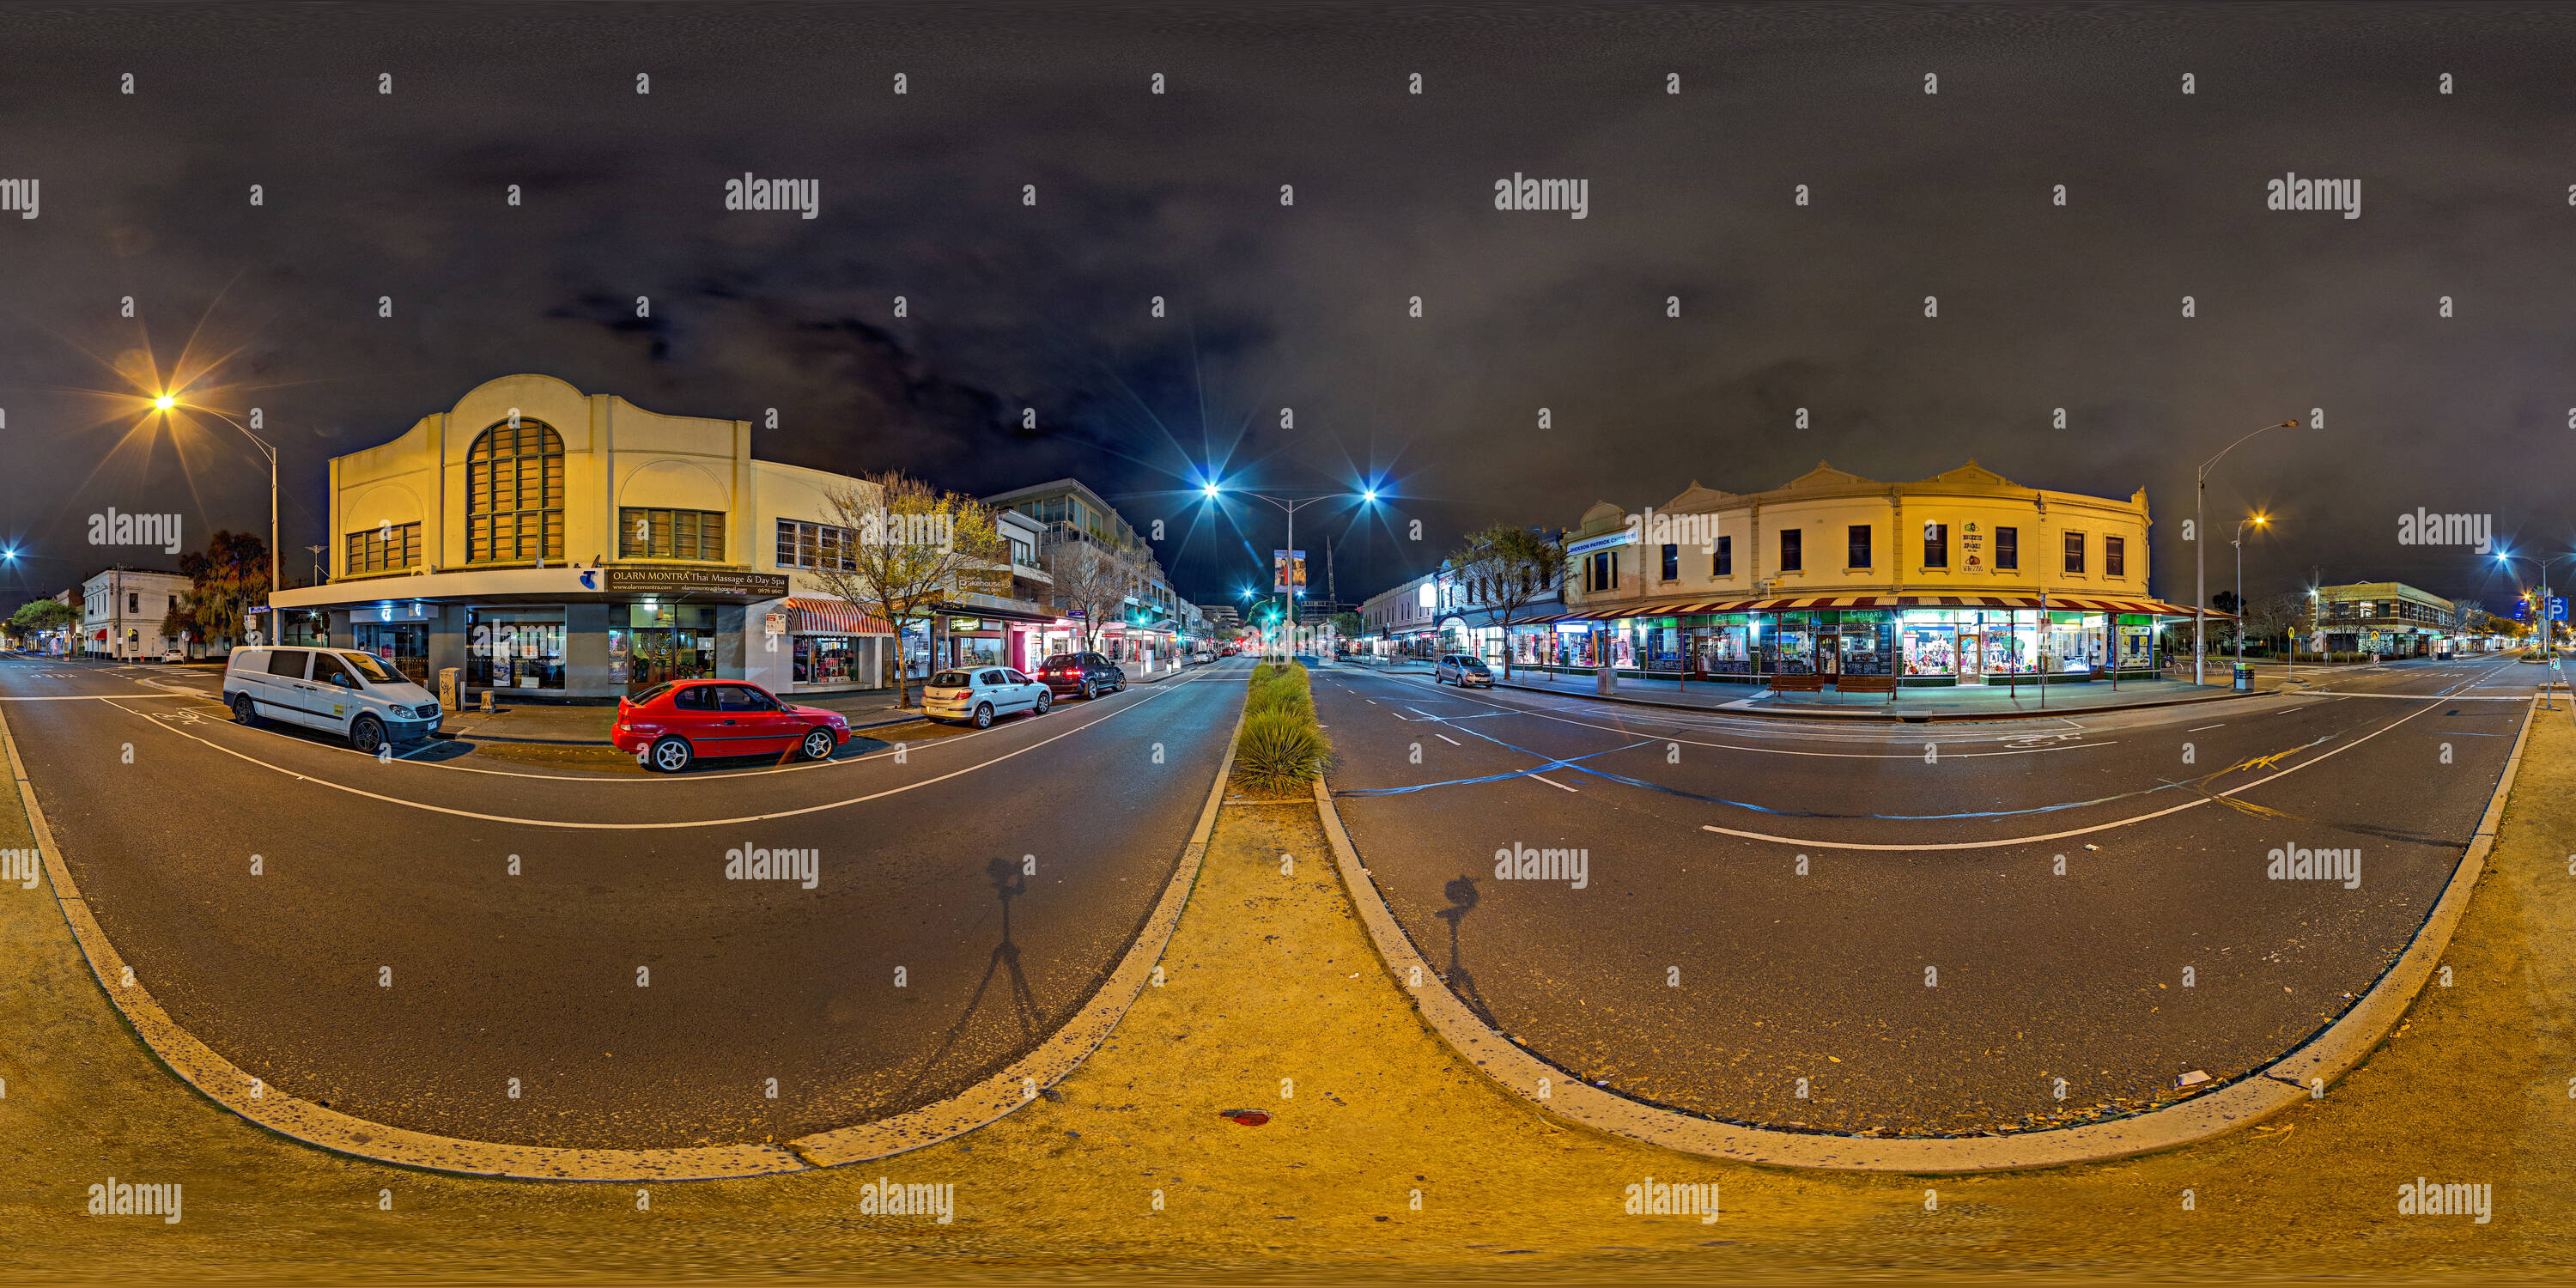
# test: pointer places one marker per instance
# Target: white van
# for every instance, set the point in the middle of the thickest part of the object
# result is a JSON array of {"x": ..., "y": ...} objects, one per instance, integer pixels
[{"x": 339, "y": 691}]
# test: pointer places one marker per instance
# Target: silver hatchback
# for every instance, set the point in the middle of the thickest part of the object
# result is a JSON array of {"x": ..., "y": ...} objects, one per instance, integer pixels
[{"x": 1462, "y": 670}]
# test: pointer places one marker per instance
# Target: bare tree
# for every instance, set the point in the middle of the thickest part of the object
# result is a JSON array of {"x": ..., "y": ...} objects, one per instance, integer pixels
[
  {"x": 2275, "y": 616},
  {"x": 1092, "y": 582},
  {"x": 1506, "y": 569},
  {"x": 907, "y": 545}
]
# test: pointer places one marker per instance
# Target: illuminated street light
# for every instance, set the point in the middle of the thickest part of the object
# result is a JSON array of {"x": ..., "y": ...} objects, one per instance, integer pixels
[
  {"x": 2200, "y": 546},
  {"x": 167, "y": 401}
]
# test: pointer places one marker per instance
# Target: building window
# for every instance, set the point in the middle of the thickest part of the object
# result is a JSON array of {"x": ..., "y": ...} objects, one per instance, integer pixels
[
  {"x": 514, "y": 489},
  {"x": 670, "y": 534},
  {"x": 1601, "y": 571},
  {"x": 1672, "y": 561},
  {"x": 384, "y": 549},
  {"x": 1725, "y": 561},
  {"x": 130, "y": 606},
  {"x": 2115, "y": 556},
  {"x": 809, "y": 545},
  {"x": 1859, "y": 554},
  {"x": 2008, "y": 549},
  {"x": 1936, "y": 545},
  {"x": 2074, "y": 552},
  {"x": 1793, "y": 549}
]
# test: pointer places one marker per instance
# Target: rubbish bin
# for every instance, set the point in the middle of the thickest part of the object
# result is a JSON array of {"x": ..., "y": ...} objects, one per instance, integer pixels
[
  {"x": 2244, "y": 679},
  {"x": 1605, "y": 680},
  {"x": 448, "y": 691}
]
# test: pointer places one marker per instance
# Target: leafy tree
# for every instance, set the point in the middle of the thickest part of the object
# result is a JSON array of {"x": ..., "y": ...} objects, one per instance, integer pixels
[
  {"x": 910, "y": 545},
  {"x": 1506, "y": 569},
  {"x": 41, "y": 615},
  {"x": 225, "y": 583}
]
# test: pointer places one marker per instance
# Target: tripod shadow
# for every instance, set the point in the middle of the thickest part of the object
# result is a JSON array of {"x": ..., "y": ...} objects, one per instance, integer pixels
[
  {"x": 1008, "y": 883},
  {"x": 1461, "y": 892}
]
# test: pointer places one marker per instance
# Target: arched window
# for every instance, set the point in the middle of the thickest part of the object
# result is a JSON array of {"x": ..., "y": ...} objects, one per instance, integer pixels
[{"x": 514, "y": 491}]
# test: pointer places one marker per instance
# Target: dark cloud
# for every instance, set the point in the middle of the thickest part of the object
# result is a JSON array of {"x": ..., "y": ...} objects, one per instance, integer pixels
[{"x": 1014, "y": 307}]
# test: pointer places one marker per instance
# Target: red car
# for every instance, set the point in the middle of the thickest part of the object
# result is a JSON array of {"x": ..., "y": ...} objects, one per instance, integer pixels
[{"x": 672, "y": 724}]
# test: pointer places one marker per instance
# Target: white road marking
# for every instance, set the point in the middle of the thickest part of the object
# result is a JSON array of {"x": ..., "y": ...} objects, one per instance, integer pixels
[
  {"x": 2197, "y": 728},
  {"x": 1449, "y": 740},
  {"x": 2054, "y": 836},
  {"x": 1780, "y": 751},
  {"x": 652, "y": 827},
  {"x": 1551, "y": 782}
]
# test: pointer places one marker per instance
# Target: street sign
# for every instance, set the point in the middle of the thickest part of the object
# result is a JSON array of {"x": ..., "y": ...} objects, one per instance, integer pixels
[{"x": 2558, "y": 608}]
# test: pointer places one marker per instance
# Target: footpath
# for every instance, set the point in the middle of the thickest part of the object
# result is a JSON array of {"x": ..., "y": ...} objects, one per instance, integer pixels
[{"x": 1383, "y": 1157}]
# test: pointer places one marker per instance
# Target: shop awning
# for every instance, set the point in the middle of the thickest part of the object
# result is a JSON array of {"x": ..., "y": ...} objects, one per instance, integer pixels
[
  {"x": 832, "y": 617},
  {"x": 991, "y": 614},
  {"x": 1797, "y": 603}
]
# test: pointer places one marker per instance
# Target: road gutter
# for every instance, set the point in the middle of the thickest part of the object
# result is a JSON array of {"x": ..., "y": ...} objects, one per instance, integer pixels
[
  {"x": 225, "y": 1083},
  {"x": 2303, "y": 1071}
]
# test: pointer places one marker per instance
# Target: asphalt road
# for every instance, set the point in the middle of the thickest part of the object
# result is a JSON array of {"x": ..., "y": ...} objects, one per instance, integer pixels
[
  {"x": 1877, "y": 916},
  {"x": 386, "y": 961}
]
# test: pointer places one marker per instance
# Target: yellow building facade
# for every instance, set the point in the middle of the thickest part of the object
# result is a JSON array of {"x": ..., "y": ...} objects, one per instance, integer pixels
[
  {"x": 558, "y": 544},
  {"x": 1965, "y": 577}
]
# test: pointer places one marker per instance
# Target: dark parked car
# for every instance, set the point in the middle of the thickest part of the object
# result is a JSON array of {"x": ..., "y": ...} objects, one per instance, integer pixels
[{"x": 1088, "y": 674}]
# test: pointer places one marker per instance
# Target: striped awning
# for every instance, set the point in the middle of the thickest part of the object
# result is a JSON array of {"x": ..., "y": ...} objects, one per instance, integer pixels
[
  {"x": 832, "y": 617},
  {"x": 1799, "y": 603}
]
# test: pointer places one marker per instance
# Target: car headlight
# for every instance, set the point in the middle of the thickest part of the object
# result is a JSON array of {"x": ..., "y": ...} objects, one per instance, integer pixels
[{"x": 401, "y": 713}]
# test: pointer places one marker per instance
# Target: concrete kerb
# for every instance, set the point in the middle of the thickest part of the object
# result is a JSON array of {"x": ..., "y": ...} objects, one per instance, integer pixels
[
  {"x": 2304, "y": 1071},
  {"x": 228, "y": 1085},
  {"x": 1818, "y": 712}
]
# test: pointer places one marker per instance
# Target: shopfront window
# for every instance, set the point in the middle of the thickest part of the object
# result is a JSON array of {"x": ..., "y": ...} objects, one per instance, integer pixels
[
  {"x": 1726, "y": 647},
  {"x": 664, "y": 641},
  {"x": 1931, "y": 644},
  {"x": 515, "y": 648},
  {"x": 1659, "y": 642},
  {"x": 402, "y": 647},
  {"x": 828, "y": 659},
  {"x": 1791, "y": 648},
  {"x": 2072, "y": 649}
]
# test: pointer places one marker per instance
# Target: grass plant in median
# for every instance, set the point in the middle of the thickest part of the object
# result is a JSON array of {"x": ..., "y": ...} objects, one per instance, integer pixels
[{"x": 1281, "y": 748}]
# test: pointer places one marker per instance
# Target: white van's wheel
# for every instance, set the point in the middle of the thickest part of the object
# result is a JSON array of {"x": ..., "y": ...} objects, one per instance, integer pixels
[
  {"x": 245, "y": 712},
  {"x": 367, "y": 735}
]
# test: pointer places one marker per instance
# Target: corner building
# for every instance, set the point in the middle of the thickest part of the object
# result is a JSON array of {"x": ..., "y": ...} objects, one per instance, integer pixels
[
  {"x": 1963, "y": 578},
  {"x": 572, "y": 546}
]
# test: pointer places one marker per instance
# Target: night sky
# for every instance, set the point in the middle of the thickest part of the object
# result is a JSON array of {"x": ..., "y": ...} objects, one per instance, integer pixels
[{"x": 2465, "y": 195}]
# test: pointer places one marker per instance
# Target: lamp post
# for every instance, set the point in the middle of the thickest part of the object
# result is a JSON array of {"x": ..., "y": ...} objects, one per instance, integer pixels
[
  {"x": 1290, "y": 505},
  {"x": 164, "y": 404},
  {"x": 2200, "y": 549},
  {"x": 2548, "y": 648},
  {"x": 2258, "y": 521}
]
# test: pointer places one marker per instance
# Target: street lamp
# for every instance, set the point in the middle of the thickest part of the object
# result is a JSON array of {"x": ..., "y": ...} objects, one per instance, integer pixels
[
  {"x": 2258, "y": 520},
  {"x": 168, "y": 401},
  {"x": 2200, "y": 550},
  {"x": 2547, "y": 650},
  {"x": 1291, "y": 505}
]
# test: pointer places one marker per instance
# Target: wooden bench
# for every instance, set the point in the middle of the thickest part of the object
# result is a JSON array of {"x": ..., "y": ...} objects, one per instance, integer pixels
[
  {"x": 1868, "y": 684},
  {"x": 1797, "y": 684}
]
